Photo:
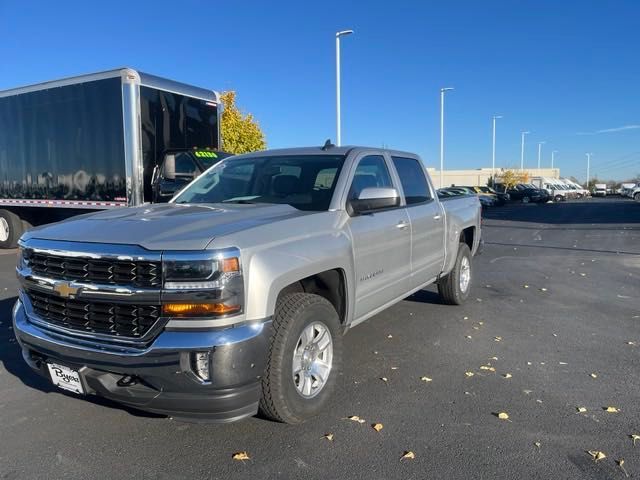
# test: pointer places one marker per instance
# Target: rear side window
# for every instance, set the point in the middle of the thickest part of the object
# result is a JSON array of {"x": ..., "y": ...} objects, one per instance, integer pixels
[{"x": 414, "y": 183}]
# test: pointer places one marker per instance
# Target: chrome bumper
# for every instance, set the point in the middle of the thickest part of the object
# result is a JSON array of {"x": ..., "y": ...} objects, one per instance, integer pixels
[{"x": 164, "y": 380}]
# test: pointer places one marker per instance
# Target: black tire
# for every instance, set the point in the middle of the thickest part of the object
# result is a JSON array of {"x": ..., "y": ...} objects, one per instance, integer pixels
[
  {"x": 558, "y": 198},
  {"x": 12, "y": 229},
  {"x": 525, "y": 199},
  {"x": 280, "y": 400},
  {"x": 636, "y": 197},
  {"x": 449, "y": 286}
]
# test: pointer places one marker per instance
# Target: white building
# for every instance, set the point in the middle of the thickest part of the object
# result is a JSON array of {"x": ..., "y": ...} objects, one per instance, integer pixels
[{"x": 480, "y": 176}]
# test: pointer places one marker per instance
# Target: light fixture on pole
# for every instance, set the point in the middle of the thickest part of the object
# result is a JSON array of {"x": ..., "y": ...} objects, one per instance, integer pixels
[
  {"x": 338, "y": 126},
  {"x": 553, "y": 157},
  {"x": 442, "y": 90},
  {"x": 540, "y": 152},
  {"x": 493, "y": 152},
  {"x": 522, "y": 150}
]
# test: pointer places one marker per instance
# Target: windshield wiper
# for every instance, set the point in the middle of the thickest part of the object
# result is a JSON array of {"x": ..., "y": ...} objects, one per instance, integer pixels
[{"x": 240, "y": 201}]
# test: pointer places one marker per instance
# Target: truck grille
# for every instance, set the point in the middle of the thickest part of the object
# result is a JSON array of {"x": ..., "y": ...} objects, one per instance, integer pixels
[
  {"x": 120, "y": 272},
  {"x": 105, "y": 318}
]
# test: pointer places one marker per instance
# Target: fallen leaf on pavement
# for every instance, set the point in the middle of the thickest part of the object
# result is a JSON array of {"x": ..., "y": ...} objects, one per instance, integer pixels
[
  {"x": 621, "y": 465},
  {"x": 408, "y": 454},
  {"x": 543, "y": 289},
  {"x": 355, "y": 418},
  {"x": 384, "y": 379},
  {"x": 329, "y": 436},
  {"x": 241, "y": 456},
  {"x": 469, "y": 374},
  {"x": 594, "y": 375},
  {"x": 583, "y": 274},
  {"x": 389, "y": 336},
  {"x": 497, "y": 339},
  {"x": 493, "y": 358},
  {"x": 525, "y": 286},
  {"x": 426, "y": 379},
  {"x": 377, "y": 427},
  {"x": 597, "y": 455},
  {"x": 634, "y": 438},
  {"x": 487, "y": 367},
  {"x": 581, "y": 409},
  {"x": 468, "y": 336},
  {"x": 631, "y": 343},
  {"x": 480, "y": 323},
  {"x": 537, "y": 444},
  {"x": 611, "y": 409},
  {"x": 503, "y": 416},
  {"x": 394, "y": 368},
  {"x": 507, "y": 375}
]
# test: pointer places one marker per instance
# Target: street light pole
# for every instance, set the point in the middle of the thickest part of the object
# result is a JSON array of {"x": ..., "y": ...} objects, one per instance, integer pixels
[
  {"x": 493, "y": 152},
  {"x": 442, "y": 90},
  {"x": 338, "y": 126},
  {"x": 588, "y": 167},
  {"x": 553, "y": 157},
  {"x": 540, "y": 152},
  {"x": 522, "y": 150}
]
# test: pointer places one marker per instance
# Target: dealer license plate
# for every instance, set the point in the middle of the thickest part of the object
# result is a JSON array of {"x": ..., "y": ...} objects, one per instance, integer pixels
[{"x": 65, "y": 378}]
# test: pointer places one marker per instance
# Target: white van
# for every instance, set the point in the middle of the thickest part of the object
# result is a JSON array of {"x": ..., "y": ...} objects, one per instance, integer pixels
[{"x": 553, "y": 187}]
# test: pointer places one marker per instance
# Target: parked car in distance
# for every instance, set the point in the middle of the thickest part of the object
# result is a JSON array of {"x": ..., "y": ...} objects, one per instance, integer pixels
[
  {"x": 502, "y": 196},
  {"x": 497, "y": 200},
  {"x": 556, "y": 190},
  {"x": 527, "y": 194},
  {"x": 235, "y": 296},
  {"x": 485, "y": 201},
  {"x": 599, "y": 190}
]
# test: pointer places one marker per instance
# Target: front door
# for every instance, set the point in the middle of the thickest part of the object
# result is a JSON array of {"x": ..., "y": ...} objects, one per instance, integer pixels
[{"x": 381, "y": 242}]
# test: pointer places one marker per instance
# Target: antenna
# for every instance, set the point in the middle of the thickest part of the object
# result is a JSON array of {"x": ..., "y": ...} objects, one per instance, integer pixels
[{"x": 327, "y": 145}]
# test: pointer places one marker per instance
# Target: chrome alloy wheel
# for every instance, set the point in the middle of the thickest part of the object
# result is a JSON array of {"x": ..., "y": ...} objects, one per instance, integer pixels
[
  {"x": 465, "y": 274},
  {"x": 4, "y": 230},
  {"x": 312, "y": 359}
]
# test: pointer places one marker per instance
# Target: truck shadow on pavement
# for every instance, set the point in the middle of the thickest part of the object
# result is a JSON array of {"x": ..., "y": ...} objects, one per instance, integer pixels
[{"x": 11, "y": 358}]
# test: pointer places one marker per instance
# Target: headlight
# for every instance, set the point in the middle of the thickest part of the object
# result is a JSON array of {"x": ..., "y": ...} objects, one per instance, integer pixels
[{"x": 202, "y": 284}]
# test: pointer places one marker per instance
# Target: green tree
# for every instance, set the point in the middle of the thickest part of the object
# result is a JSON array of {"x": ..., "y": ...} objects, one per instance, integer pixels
[{"x": 240, "y": 132}]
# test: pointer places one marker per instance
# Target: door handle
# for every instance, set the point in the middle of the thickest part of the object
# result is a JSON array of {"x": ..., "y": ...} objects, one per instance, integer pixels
[
  {"x": 437, "y": 217},
  {"x": 402, "y": 225}
]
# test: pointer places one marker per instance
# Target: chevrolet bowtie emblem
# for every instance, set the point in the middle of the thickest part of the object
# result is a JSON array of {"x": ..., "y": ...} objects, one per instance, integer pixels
[{"x": 65, "y": 289}]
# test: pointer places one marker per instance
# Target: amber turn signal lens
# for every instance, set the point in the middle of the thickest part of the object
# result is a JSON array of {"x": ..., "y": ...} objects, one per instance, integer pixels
[
  {"x": 198, "y": 309},
  {"x": 228, "y": 265}
]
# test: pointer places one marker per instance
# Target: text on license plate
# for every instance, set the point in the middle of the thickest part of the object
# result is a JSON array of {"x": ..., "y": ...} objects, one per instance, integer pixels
[{"x": 65, "y": 377}]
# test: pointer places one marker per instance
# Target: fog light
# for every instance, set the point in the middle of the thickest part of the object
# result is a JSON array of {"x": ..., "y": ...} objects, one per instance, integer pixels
[{"x": 200, "y": 362}]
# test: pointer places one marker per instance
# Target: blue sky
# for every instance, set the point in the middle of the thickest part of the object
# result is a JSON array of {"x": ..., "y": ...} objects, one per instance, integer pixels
[{"x": 568, "y": 71}]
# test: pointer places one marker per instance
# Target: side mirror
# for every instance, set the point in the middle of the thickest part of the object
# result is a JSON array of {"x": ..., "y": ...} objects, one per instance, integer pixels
[{"x": 374, "y": 198}]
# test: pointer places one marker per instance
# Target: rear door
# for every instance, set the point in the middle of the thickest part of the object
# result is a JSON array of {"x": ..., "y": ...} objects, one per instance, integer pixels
[
  {"x": 427, "y": 221},
  {"x": 381, "y": 241}
]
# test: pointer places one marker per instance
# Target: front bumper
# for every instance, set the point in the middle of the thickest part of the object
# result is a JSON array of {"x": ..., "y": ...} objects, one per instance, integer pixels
[{"x": 160, "y": 378}]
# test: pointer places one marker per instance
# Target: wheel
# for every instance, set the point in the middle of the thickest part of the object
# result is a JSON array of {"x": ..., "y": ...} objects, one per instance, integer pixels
[
  {"x": 305, "y": 358},
  {"x": 636, "y": 197},
  {"x": 10, "y": 229},
  {"x": 454, "y": 287},
  {"x": 558, "y": 198},
  {"x": 526, "y": 199}
]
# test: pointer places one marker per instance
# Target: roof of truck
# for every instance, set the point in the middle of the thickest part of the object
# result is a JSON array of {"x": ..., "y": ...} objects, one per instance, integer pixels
[
  {"x": 320, "y": 150},
  {"x": 141, "y": 78}
]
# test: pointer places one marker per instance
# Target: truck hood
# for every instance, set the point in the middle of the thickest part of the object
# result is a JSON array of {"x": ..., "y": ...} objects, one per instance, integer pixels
[{"x": 165, "y": 226}]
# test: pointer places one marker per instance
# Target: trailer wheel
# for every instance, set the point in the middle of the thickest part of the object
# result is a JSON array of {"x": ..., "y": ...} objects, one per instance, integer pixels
[
  {"x": 305, "y": 358},
  {"x": 10, "y": 229},
  {"x": 454, "y": 288}
]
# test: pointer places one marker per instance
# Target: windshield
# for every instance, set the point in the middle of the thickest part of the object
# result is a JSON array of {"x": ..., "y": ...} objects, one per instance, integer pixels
[{"x": 305, "y": 182}]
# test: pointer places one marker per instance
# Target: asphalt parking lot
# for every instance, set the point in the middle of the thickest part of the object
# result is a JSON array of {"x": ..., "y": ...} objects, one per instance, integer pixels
[{"x": 553, "y": 324}]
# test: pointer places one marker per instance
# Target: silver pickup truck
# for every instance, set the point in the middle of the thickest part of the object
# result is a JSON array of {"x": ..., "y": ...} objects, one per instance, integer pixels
[{"x": 235, "y": 296}]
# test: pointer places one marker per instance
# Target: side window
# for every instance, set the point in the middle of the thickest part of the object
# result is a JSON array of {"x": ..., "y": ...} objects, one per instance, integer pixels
[
  {"x": 185, "y": 166},
  {"x": 371, "y": 172},
  {"x": 414, "y": 183}
]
